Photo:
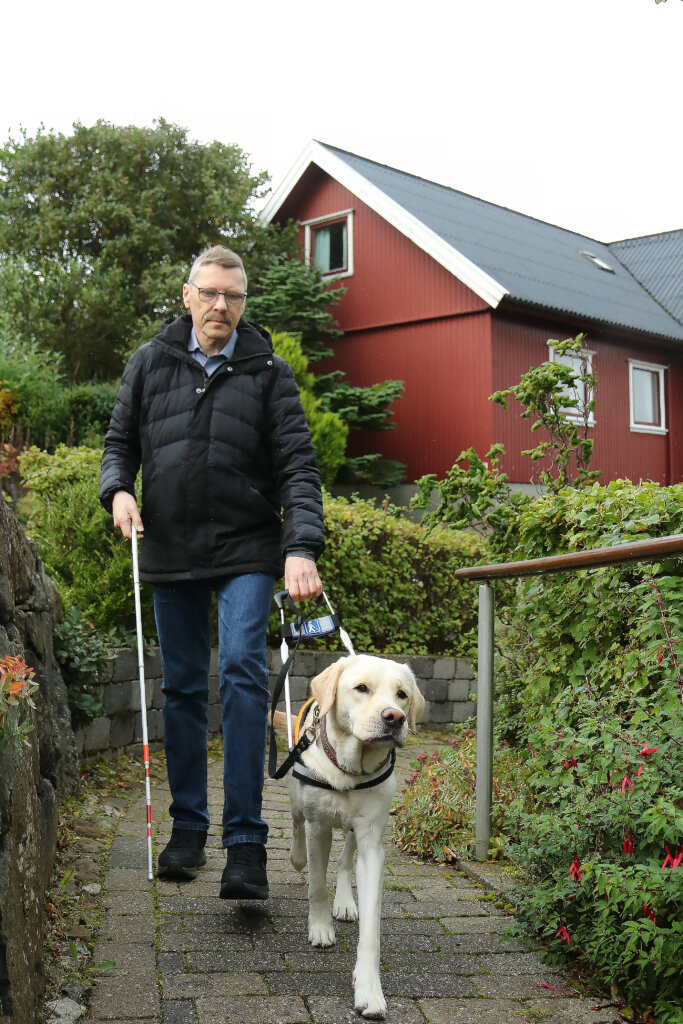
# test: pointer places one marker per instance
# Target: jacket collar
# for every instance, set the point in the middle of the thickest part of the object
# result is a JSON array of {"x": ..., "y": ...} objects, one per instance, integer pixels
[{"x": 252, "y": 340}]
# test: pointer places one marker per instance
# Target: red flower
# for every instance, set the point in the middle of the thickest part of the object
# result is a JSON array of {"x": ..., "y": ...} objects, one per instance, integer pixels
[
  {"x": 626, "y": 782},
  {"x": 628, "y": 843},
  {"x": 575, "y": 869},
  {"x": 660, "y": 658},
  {"x": 648, "y": 750},
  {"x": 667, "y": 860},
  {"x": 648, "y": 912},
  {"x": 563, "y": 934},
  {"x": 640, "y": 770}
]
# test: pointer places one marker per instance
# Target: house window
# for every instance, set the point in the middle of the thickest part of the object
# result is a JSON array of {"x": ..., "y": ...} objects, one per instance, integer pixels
[
  {"x": 582, "y": 365},
  {"x": 646, "y": 394},
  {"x": 328, "y": 243}
]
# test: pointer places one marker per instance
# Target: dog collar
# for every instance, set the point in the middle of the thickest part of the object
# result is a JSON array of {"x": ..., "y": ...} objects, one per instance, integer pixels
[{"x": 304, "y": 774}]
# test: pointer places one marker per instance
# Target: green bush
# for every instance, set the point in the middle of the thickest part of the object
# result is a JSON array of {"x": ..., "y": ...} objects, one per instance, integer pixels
[
  {"x": 37, "y": 407},
  {"x": 83, "y": 653},
  {"x": 436, "y": 818},
  {"x": 394, "y": 587},
  {"x": 394, "y": 584},
  {"x": 592, "y": 658},
  {"x": 81, "y": 550},
  {"x": 328, "y": 431}
]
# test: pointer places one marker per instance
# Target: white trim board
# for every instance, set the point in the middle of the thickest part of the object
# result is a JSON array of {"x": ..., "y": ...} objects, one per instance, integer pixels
[{"x": 471, "y": 275}]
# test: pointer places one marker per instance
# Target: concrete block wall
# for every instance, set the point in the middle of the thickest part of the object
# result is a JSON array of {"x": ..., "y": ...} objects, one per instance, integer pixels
[{"x": 446, "y": 683}]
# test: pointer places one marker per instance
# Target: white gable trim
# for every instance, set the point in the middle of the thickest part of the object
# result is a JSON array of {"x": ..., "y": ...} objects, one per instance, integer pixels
[{"x": 488, "y": 289}]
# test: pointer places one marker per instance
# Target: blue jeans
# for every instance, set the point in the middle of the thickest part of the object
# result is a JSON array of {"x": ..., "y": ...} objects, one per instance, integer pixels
[{"x": 182, "y": 613}]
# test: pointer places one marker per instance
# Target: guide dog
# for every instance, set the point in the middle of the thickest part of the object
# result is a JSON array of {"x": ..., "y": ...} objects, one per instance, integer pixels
[{"x": 361, "y": 709}]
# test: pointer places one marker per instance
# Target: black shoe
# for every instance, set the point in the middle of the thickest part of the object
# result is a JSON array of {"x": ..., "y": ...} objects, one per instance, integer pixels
[
  {"x": 183, "y": 855},
  {"x": 244, "y": 876}
]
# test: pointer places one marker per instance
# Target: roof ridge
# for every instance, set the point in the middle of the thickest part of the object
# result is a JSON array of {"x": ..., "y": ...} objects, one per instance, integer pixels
[
  {"x": 644, "y": 238},
  {"x": 468, "y": 195}
]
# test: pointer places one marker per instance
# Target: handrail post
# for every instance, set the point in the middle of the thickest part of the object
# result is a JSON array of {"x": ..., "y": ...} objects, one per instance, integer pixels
[{"x": 484, "y": 785}]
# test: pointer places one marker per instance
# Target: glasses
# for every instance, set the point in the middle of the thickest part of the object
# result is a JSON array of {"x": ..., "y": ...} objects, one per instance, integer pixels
[{"x": 211, "y": 294}]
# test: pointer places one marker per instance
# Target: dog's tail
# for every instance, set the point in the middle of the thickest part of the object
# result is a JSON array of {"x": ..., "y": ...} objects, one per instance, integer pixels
[{"x": 279, "y": 720}]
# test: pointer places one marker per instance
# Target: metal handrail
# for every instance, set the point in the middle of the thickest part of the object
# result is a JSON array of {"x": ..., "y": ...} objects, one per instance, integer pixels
[{"x": 594, "y": 558}]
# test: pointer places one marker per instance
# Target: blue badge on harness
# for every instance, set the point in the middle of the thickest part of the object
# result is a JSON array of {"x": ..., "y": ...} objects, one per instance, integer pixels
[{"x": 315, "y": 627}]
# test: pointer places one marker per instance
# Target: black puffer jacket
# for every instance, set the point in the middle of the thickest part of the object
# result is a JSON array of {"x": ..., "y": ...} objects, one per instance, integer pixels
[{"x": 230, "y": 483}]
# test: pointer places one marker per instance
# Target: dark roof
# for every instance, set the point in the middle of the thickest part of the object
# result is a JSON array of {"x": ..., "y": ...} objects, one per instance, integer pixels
[
  {"x": 537, "y": 263},
  {"x": 657, "y": 262}
]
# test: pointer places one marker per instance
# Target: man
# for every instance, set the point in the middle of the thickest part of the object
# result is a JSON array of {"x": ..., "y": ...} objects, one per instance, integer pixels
[{"x": 230, "y": 488}]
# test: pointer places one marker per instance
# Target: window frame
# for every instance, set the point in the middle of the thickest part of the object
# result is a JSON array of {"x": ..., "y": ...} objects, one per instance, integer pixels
[
  {"x": 572, "y": 414},
  {"x": 647, "y": 428},
  {"x": 310, "y": 226}
]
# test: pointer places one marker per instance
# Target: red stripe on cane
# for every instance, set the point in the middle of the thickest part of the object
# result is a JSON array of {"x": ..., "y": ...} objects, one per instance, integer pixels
[
  {"x": 149, "y": 815},
  {"x": 145, "y": 752}
]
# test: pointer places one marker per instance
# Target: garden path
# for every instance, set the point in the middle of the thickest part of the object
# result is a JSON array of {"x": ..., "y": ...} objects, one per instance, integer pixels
[{"x": 183, "y": 956}]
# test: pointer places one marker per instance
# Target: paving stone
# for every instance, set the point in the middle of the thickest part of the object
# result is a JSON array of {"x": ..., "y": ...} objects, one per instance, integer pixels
[
  {"x": 128, "y": 852},
  {"x": 116, "y": 999},
  {"x": 419, "y": 986},
  {"x": 129, "y": 902},
  {"x": 433, "y": 963},
  {"x": 304, "y": 983},
  {"x": 478, "y": 942},
  {"x": 128, "y": 928},
  {"x": 469, "y": 1011},
  {"x": 447, "y": 908},
  {"x": 515, "y": 963},
  {"x": 410, "y": 943},
  {"x": 522, "y": 986},
  {"x": 229, "y": 923},
  {"x": 199, "y": 941},
  {"x": 254, "y": 1009},
  {"x": 473, "y": 924},
  {"x": 330, "y": 1010},
  {"x": 329, "y": 958},
  {"x": 291, "y": 943},
  {"x": 248, "y": 960},
  {"x": 170, "y": 963},
  {"x": 411, "y": 926},
  {"x": 178, "y": 1011},
  {"x": 573, "y": 1011},
  {"x": 232, "y": 983},
  {"x": 128, "y": 959}
]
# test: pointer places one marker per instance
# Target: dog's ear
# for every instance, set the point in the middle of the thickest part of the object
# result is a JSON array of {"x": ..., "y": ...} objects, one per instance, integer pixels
[
  {"x": 324, "y": 686},
  {"x": 417, "y": 703}
]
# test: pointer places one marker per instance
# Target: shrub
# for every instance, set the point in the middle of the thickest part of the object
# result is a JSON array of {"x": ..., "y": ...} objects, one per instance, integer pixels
[
  {"x": 436, "y": 818},
  {"x": 81, "y": 550},
  {"x": 83, "y": 653},
  {"x": 393, "y": 584},
  {"x": 598, "y": 697}
]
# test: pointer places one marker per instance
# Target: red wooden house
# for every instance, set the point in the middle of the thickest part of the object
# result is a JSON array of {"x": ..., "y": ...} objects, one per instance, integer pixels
[{"x": 458, "y": 297}]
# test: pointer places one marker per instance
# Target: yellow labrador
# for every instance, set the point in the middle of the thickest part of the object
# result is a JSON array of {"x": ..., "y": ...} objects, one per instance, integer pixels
[{"x": 361, "y": 710}]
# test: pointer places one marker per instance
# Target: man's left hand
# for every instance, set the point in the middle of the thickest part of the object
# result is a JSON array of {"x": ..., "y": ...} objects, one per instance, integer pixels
[{"x": 301, "y": 578}]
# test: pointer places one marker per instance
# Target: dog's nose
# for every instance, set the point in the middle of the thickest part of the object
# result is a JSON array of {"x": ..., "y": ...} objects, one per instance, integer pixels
[{"x": 393, "y": 717}]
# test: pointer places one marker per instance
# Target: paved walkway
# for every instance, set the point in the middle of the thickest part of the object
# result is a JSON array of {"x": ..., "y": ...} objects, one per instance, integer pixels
[{"x": 183, "y": 956}]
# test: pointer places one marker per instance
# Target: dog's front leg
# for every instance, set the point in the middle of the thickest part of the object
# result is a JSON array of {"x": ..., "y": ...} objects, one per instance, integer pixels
[
  {"x": 345, "y": 908},
  {"x": 368, "y": 996},
  {"x": 318, "y": 842}
]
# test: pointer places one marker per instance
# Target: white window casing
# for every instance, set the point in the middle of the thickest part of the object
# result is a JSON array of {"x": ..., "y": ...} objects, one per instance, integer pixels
[
  {"x": 310, "y": 226},
  {"x": 646, "y": 397}
]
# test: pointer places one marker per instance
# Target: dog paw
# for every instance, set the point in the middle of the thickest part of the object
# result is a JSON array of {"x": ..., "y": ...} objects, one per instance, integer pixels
[
  {"x": 345, "y": 910},
  {"x": 321, "y": 934},
  {"x": 369, "y": 1002}
]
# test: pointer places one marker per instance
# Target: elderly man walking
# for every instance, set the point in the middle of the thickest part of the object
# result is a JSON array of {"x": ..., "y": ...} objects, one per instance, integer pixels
[{"x": 230, "y": 493}]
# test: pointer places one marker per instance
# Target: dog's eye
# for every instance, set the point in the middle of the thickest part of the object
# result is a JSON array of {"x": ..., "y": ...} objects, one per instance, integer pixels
[
  {"x": 402, "y": 694},
  {"x": 362, "y": 688}
]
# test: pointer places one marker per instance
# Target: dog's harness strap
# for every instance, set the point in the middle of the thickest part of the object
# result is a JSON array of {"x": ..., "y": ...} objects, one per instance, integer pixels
[
  {"x": 305, "y": 627},
  {"x": 300, "y": 772}
]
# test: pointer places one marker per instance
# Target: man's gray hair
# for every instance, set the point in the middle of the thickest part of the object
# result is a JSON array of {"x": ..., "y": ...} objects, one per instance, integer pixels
[{"x": 220, "y": 255}]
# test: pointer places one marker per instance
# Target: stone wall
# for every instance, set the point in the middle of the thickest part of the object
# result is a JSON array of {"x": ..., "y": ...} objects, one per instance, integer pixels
[
  {"x": 35, "y": 778},
  {"x": 446, "y": 683}
]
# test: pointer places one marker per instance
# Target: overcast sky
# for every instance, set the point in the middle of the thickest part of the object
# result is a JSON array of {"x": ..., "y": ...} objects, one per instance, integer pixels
[{"x": 567, "y": 111}]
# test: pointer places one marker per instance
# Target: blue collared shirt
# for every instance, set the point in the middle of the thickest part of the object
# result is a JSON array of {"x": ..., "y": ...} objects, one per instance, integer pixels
[{"x": 211, "y": 363}]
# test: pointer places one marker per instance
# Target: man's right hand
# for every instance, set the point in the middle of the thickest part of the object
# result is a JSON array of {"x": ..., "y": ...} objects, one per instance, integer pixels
[{"x": 125, "y": 511}]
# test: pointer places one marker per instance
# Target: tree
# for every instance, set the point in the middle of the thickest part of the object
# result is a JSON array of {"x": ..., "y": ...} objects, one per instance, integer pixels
[
  {"x": 96, "y": 232},
  {"x": 97, "y": 228}
]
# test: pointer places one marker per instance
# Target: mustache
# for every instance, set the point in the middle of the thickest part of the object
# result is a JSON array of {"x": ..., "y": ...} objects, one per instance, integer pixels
[{"x": 216, "y": 316}]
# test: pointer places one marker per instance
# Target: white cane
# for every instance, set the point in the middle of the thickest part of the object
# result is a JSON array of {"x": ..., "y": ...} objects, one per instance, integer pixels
[{"x": 143, "y": 702}]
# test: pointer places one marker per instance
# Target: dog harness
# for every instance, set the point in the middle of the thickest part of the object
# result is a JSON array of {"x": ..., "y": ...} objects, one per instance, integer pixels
[{"x": 301, "y": 772}]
